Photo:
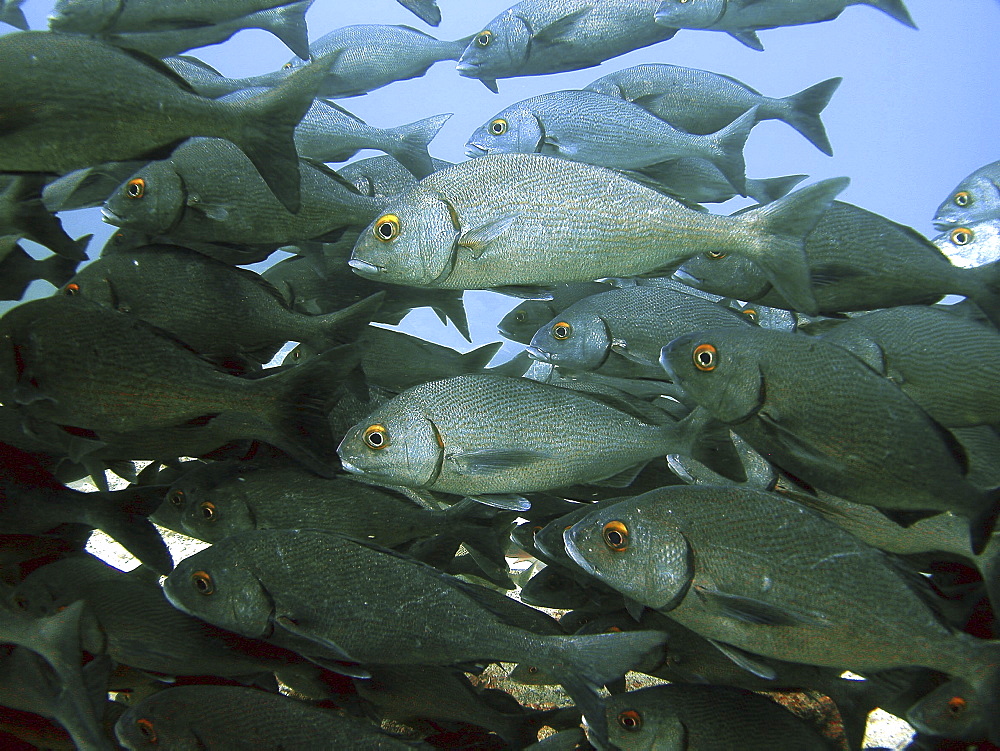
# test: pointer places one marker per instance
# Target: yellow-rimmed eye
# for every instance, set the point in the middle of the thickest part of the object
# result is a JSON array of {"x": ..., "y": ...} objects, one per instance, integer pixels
[
  {"x": 961, "y": 236},
  {"x": 135, "y": 188},
  {"x": 631, "y": 720},
  {"x": 176, "y": 498},
  {"x": 704, "y": 357},
  {"x": 386, "y": 228},
  {"x": 208, "y": 511},
  {"x": 202, "y": 581},
  {"x": 751, "y": 314},
  {"x": 71, "y": 289},
  {"x": 962, "y": 199},
  {"x": 616, "y": 536},
  {"x": 286, "y": 66},
  {"x": 562, "y": 331},
  {"x": 376, "y": 437},
  {"x": 146, "y": 729},
  {"x": 715, "y": 254},
  {"x": 483, "y": 38},
  {"x": 498, "y": 127}
]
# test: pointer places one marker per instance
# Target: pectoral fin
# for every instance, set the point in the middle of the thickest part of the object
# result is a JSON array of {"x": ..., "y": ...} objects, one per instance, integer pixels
[
  {"x": 478, "y": 239},
  {"x": 745, "y": 660},
  {"x": 750, "y": 610},
  {"x": 491, "y": 461}
]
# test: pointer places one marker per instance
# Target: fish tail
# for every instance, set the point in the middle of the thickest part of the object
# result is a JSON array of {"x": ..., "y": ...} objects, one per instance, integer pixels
[
  {"x": 785, "y": 223},
  {"x": 426, "y": 10},
  {"x": 267, "y": 128},
  {"x": 482, "y": 529},
  {"x": 981, "y": 525},
  {"x": 288, "y": 23},
  {"x": 771, "y": 189},
  {"x": 410, "y": 144},
  {"x": 804, "y": 109},
  {"x": 13, "y": 15},
  {"x": 727, "y": 147},
  {"x": 894, "y": 8},
  {"x": 477, "y": 360},
  {"x": 452, "y": 308},
  {"x": 342, "y": 326},
  {"x": 983, "y": 288},
  {"x": 134, "y": 532}
]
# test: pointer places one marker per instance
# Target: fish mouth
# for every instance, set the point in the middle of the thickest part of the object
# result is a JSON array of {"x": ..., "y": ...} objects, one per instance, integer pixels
[
  {"x": 537, "y": 353},
  {"x": 363, "y": 267},
  {"x": 351, "y": 468},
  {"x": 472, "y": 150},
  {"x": 942, "y": 226},
  {"x": 685, "y": 278},
  {"x": 110, "y": 217},
  {"x": 573, "y": 552},
  {"x": 465, "y": 68}
]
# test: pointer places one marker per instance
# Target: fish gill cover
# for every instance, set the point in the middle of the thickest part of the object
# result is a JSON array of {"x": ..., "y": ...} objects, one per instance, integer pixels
[{"x": 273, "y": 285}]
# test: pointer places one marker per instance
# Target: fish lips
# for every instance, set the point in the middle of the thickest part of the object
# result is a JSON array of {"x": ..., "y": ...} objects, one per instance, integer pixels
[
  {"x": 363, "y": 268},
  {"x": 351, "y": 468},
  {"x": 569, "y": 542},
  {"x": 539, "y": 354},
  {"x": 473, "y": 150},
  {"x": 110, "y": 217}
]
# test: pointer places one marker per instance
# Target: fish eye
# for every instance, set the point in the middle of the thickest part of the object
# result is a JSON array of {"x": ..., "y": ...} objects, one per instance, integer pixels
[
  {"x": 616, "y": 536},
  {"x": 135, "y": 188},
  {"x": 532, "y": 670},
  {"x": 296, "y": 353},
  {"x": 751, "y": 314},
  {"x": 146, "y": 729},
  {"x": 176, "y": 498},
  {"x": 715, "y": 254},
  {"x": 498, "y": 127},
  {"x": 286, "y": 66},
  {"x": 20, "y": 602},
  {"x": 963, "y": 198},
  {"x": 483, "y": 38},
  {"x": 704, "y": 357},
  {"x": 202, "y": 581},
  {"x": 376, "y": 437},
  {"x": 961, "y": 236},
  {"x": 631, "y": 720},
  {"x": 956, "y": 706},
  {"x": 520, "y": 316},
  {"x": 386, "y": 228},
  {"x": 208, "y": 511},
  {"x": 71, "y": 289},
  {"x": 562, "y": 331},
  {"x": 612, "y": 630}
]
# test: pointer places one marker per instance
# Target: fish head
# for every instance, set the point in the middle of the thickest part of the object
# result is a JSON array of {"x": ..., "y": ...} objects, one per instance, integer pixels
[
  {"x": 576, "y": 341},
  {"x": 725, "y": 274},
  {"x": 412, "y": 243},
  {"x": 520, "y": 324},
  {"x": 718, "y": 373},
  {"x": 152, "y": 200},
  {"x": 646, "y": 559},
  {"x": 499, "y": 50},
  {"x": 159, "y": 721},
  {"x": 635, "y": 722},
  {"x": 689, "y": 14},
  {"x": 516, "y": 130},
  {"x": 222, "y": 513},
  {"x": 952, "y": 710},
  {"x": 974, "y": 245},
  {"x": 397, "y": 444},
  {"x": 215, "y": 585},
  {"x": 84, "y": 16},
  {"x": 975, "y": 199}
]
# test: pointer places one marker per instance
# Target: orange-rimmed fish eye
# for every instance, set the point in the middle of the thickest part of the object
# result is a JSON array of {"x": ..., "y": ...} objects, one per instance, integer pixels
[
  {"x": 176, "y": 497},
  {"x": 961, "y": 236},
  {"x": 562, "y": 331},
  {"x": 376, "y": 437},
  {"x": 483, "y": 38},
  {"x": 963, "y": 198},
  {"x": 630, "y": 720},
  {"x": 208, "y": 511},
  {"x": 135, "y": 188},
  {"x": 498, "y": 127},
  {"x": 751, "y": 314},
  {"x": 616, "y": 536},
  {"x": 956, "y": 705},
  {"x": 704, "y": 357},
  {"x": 386, "y": 228},
  {"x": 532, "y": 669},
  {"x": 202, "y": 581},
  {"x": 71, "y": 289},
  {"x": 146, "y": 729},
  {"x": 716, "y": 254}
]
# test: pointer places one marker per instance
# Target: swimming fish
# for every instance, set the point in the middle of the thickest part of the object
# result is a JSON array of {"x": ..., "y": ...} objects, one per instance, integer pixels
[
  {"x": 972, "y": 246},
  {"x": 975, "y": 199}
]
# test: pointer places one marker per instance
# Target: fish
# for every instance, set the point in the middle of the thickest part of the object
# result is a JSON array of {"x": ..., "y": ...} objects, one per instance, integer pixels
[
  {"x": 250, "y": 318},
  {"x": 503, "y": 220},
  {"x": 477, "y": 435},
  {"x": 743, "y": 18},
  {"x": 190, "y": 197},
  {"x": 11, "y": 13},
  {"x": 18, "y": 269},
  {"x": 88, "y": 187},
  {"x": 975, "y": 199},
  {"x": 382, "y": 176},
  {"x": 23, "y": 214},
  {"x": 706, "y": 717},
  {"x": 535, "y": 37},
  {"x": 595, "y": 128},
  {"x": 694, "y": 181},
  {"x": 972, "y": 246},
  {"x": 702, "y": 102},
  {"x": 344, "y": 600},
  {"x": 125, "y": 106},
  {"x": 785, "y": 395},
  {"x": 804, "y": 611},
  {"x": 521, "y": 323},
  {"x": 426, "y": 10},
  {"x": 138, "y": 380},
  {"x": 213, "y": 716}
]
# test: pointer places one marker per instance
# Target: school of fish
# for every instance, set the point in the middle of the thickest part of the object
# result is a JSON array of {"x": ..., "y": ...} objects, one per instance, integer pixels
[{"x": 744, "y": 453}]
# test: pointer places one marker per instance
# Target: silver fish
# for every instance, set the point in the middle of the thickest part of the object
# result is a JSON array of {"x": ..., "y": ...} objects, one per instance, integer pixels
[{"x": 975, "y": 199}]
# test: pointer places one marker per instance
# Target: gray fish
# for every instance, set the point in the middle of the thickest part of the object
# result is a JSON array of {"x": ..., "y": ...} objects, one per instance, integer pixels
[
  {"x": 975, "y": 245},
  {"x": 383, "y": 176},
  {"x": 694, "y": 181},
  {"x": 529, "y": 219},
  {"x": 164, "y": 29},
  {"x": 707, "y": 718},
  {"x": 190, "y": 197},
  {"x": 126, "y": 107},
  {"x": 18, "y": 269},
  {"x": 11, "y": 13},
  {"x": 608, "y": 131},
  {"x": 759, "y": 573},
  {"x": 426, "y": 10},
  {"x": 742, "y": 18},
  {"x": 88, "y": 187},
  {"x": 975, "y": 199},
  {"x": 702, "y": 102},
  {"x": 535, "y": 37},
  {"x": 521, "y": 323},
  {"x": 197, "y": 717},
  {"x": 785, "y": 395}
]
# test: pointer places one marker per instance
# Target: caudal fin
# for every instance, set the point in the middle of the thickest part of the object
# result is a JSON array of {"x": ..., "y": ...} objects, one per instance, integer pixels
[
  {"x": 134, "y": 532},
  {"x": 768, "y": 189},
  {"x": 894, "y": 8},
  {"x": 411, "y": 141},
  {"x": 804, "y": 109},
  {"x": 727, "y": 149},
  {"x": 426, "y": 10},
  {"x": 13, "y": 15},
  {"x": 785, "y": 223},
  {"x": 345, "y": 325},
  {"x": 288, "y": 23}
]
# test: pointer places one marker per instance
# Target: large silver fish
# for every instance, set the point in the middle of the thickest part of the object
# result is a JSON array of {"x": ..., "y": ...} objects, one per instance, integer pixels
[{"x": 975, "y": 199}]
